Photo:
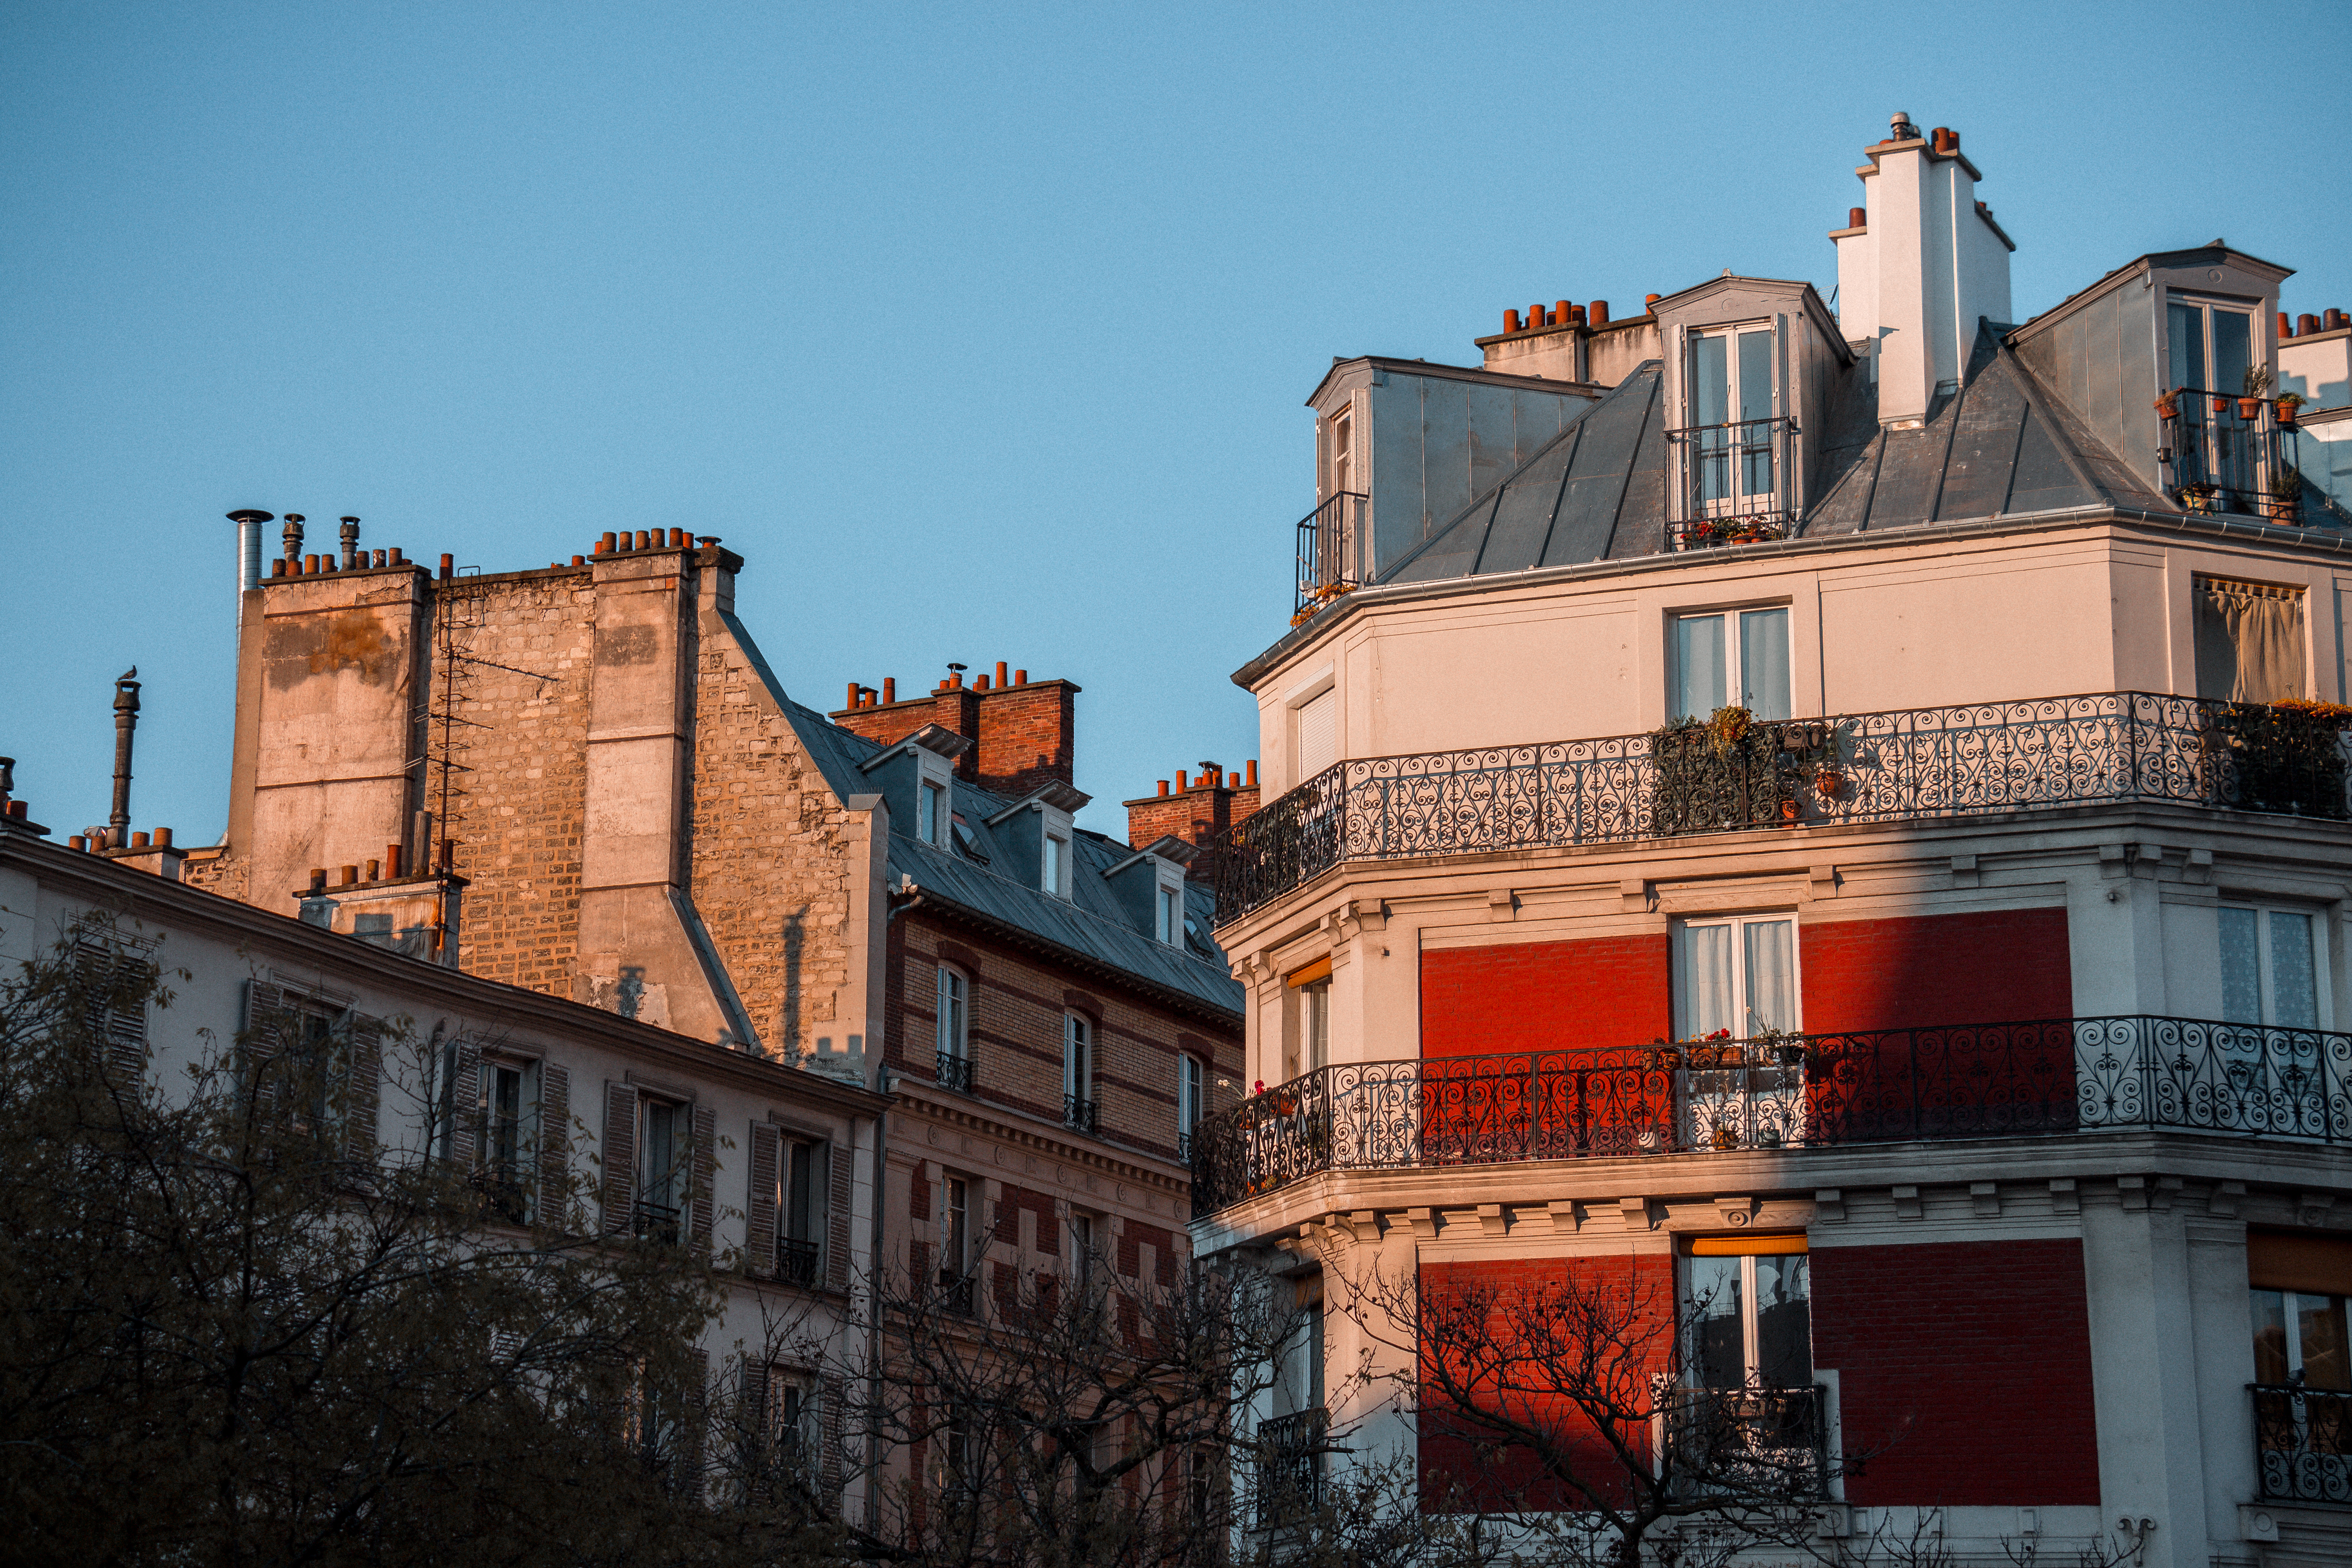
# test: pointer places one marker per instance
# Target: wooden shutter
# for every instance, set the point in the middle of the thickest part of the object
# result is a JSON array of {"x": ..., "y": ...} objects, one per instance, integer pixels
[
  {"x": 706, "y": 1172},
  {"x": 836, "y": 1216},
  {"x": 620, "y": 1157},
  {"x": 752, "y": 1404},
  {"x": 363, "y": 1046},
  {"x": 694, "y": 1422},
  {"x": 830, "y": 1427},
  {"x": 760, "y": 1206},
  {"x": 554, "y": 1146},
  {"x": 265, "y": 1020},
  {"x": 465, "y": 1108},
  {"x": 117, "y": 1025}
]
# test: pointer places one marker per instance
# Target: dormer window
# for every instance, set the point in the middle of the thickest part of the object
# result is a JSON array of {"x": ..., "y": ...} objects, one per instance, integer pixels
[
  {"x": 2212, "y": 345},
  {"x": 1343, "y": 455},
  {"x": 1168, "y": 925},
  {"x": 1731, "y": 449},
  {"x": 931, "y": 813},
  {"x": 1053, "y": 865}
]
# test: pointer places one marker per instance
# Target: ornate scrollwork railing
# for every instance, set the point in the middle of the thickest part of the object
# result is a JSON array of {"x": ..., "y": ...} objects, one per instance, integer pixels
[
  {"x": 2303, "y": 1442},
  {"x": 1903, "y": 764},
  {"x": 2046, "y": 1078}
]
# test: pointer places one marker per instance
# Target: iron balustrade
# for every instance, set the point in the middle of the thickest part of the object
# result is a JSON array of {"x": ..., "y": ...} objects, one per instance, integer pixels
[
  {"x": 1080, "y": 1115},
  {"x": 952, "y": 1071},
  {"x": 1750, "y": 1441},
  {"x": 657, "y": 1222},
  {"x": 2046, "y": 1078},
  {"x": 1290, "y": 1450},
  {"x": 2303, "y": 1443},
  {"x": 1732, "y": 482},
  {"x": 796, "y": 1262},
  {"x": 2223, "y": 451},
  {"x": 1334, "y": 550},
  {"x": 1902, "y": 763},
  {"x": 958, "y": 1293}
]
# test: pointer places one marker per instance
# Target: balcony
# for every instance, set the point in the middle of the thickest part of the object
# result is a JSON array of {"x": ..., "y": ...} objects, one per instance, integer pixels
[
  {"x": 1334, "y": 552},
  {"x": 1732, "y": 483},
  {"x": 1904, "y": 764},
  {"x": 2303, "y": 1443},
  {"x": 952, "y": 1072},
  {"x": 2223, "y": 453},
  {"x": 1751, "y": 1442},
  {"x": 1290, "y": 1467},
  {"x": 2051, "y": 1078},
  {"x": 796, "y": 1262},
  {"x": 1080, "y": 1115},
  {"x": 657, "y": 1222}
]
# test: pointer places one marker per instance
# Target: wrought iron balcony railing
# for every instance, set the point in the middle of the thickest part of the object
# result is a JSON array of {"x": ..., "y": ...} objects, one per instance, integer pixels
[
  {"x": 2303, "y": 1443},
  {"x": 1290, "y": 1450},
  {"x": 1334, "y": 552},
  {"x": 1733, "y": 483},
  {"x": 1755, "y": 1442},
  {"x": 2222, "y": 450},
  {"x": 1080, "y": 1115},
  {"x": 2048, "y": 1077},
  {"x": 796, "y": 1262},
  {"x": 1901, "y": 765},
  {"x": 657, "y": 1222},
  {"x": 957, "y": 1292},
  {"x": 953, "y": 1071}
]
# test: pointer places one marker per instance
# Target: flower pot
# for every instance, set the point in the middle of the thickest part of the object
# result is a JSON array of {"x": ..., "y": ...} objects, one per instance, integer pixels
[
  {"x": 2286, "y": 412},
  {"x": 2221, "y": 404},
  {"x": 2167, "y": 408},
  {"x": 1829, "y": 785},
  {"x": 2250, "y": 409},
  {"x": 1788, "y": 811}
]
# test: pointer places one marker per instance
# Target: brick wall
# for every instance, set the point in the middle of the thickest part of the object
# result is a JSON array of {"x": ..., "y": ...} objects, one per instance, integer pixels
[
  {"x": 1200, "y": 813},
  {"x": 1964, "y": 1372},
  {"x": 1026, "y": 733},
  {"x": 1463, "y": 1465},
  {"x": 1543, "y": 995},
  {"x": 955, "y": 710},
  {"x": 1014, "y": 1004},
  {"x": 1977, "y": 967}
]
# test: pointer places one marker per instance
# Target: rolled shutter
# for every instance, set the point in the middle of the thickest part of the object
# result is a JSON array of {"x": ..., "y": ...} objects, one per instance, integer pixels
[
  {"x": 363, "y": 1093},
  {"x": 706, "y": 1172},
  {"x": 837, "y": 1218},
  {"x": 465, "y": 1108},
  {"x": 760, "y": 1204},
  {"x": 554, "y": 1146},
  {"x": 620, "y": 1157},
  {"x": 264, "y": 1039}
]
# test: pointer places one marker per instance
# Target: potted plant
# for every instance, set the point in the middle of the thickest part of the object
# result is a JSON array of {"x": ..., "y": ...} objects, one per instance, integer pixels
[
  {"x": 2287, "y": 403},
  {"x": 1788, "y": 811},
  {"x": 1829, "y": 784},
  {"x": 2167, "y": 406},
  {"x": 2250, "y": 409},
  {"x": 2198, "y": 497},
  {"x": 2284, "y": 756}
]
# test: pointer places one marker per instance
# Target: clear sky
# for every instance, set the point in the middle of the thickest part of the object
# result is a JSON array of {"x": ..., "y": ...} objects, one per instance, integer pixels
[{"x": 981, "y": 331}]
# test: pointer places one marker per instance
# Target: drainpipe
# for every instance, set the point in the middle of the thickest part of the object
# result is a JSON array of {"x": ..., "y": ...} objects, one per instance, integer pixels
[{"x": 898, "y": 905}]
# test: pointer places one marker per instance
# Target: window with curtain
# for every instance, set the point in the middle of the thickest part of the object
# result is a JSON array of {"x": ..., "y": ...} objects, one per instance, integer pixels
[
  {"x": 2250, "y": 640},
  {"x": 2270, "y": 967},
  {"x": 1737, "y": 974},
  {"x": 1742, "y": 651}
]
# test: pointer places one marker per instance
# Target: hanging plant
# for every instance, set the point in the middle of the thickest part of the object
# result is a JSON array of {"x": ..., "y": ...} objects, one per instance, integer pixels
[{"x": 1725, "y": 727}]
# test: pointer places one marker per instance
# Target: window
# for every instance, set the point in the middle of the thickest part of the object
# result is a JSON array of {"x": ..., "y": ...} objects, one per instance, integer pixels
[
  {"x": 1168, "y": 922},
  {"x": 1343, "y": 455},
  {"x": 2270, "y": 967},
  {"x": 2212, "y": 344},
  {"x": 1317, "y": 735},
  {"x": 2249, "y": 641},
  {"x": 1747, "y": 1312},
  {"x": 953, "y": 1069},
  {"x": 931, "y": 813},
  {"x": 957, "y": 1474},
  {"x": 801, "y": 1174},
  {"x": 955, "y": 1247},
  {"x": 2299, "y": 1337},
  {"x": 1078, "y": 1071},
  {"x": 794, "y": 1423},
  {"x": 507, "y": 1133},
  {"x": 1053, "y": 865},
  {"x": 1082, "y": 1250},
  {"x": 1737, "y": 974},
  {"x": 1742, "y": 651},
  {"x": 1730, "y": 401},
  {"x": 664, "y": 1141},
  {"x": 1187, "y": 1103}
]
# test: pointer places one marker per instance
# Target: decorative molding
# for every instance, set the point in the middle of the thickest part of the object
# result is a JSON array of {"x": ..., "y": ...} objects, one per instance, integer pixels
[
  {"x": 1636, "y": 896},
  {"x": 1502, "y": 904},
  {"x": 2312, "y": 1208},
  {"x": 2226, "y": 1199},
  {"x": 1829, "y": 1203},
  {"x": 1364, "y": 1225},
  {"x": 1563, "y": 1216},
  {"x": 1492, "y": 1220},
  {"x": 1424, "y": 1223},
  {"x": 1964, "y": 871},
  {"x": 1736, "y": 1211},
  {"x": 1635, "y": 1213}
]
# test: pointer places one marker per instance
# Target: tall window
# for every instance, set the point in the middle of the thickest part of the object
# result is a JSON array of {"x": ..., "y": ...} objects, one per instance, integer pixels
[
  {"x": 1053, "y": 866},
  {"x": 1187, "y": 1103},
  {"x": 930, "y": 814},
  {"x": 801, "y": 1174},
  {"x": 1310, "y": 1045},
  {"x": 1317, "y": 735},
  {"x": 508, "y": 1112},
  {"x": 1731, "y": 651},
  {"x": 665, "y": 1140},
  {"x": 2270, "y": 967},
  {"x": 1343, "y": 455},
  {"x": 2249, "y": 641},
  {"x": 1738, "y": 974},
  {"x": 1167, "y": 921},
  {"x": 1748, "y": 1312},
  {"x": 1078, "y": 1071},
  {"x": 954, "y": 1064},
  {"x": 2212, "y": 344},
  {"x": 1082, "y": 1250},
  {"x": 1731, "y": 404},
  {"x": 955, "y": 1246}
]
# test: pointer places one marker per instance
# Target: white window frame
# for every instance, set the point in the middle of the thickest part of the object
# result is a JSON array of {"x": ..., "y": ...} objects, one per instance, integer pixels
[
  {"x": 957, "y": 1254},
  {"x": 1168, "y": 901},
  {"x": 2205, "y": 305},
  {"x": 1339, "y": 459},
  {"x": 820, "y": 1179},
  {"x": 1190, "y": 1073},
  {"x": 1685, "y": 1027},
  {"x": 952, "y": 1025},
  {"x": 934, "y": 772},
  {"x": 1750, "y": 1334},
  {"x": 1737, "y": 499},
  {"x": 677, "y": 1182},
  {"x": 1056, "y": 850},
  {"x": 1078, "y": 1063},
  {"x": 1734, "y": 674},
  {"x": 2323, "y": 997}
]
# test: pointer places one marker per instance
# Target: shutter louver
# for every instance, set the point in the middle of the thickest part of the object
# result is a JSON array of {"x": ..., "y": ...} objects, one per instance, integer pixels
[
  {"x": 830, "y": 1424},
  {"x": 264, "y": 1016},
  {"x": 465, "y": 1104},
  {"x": 117, "y": 1016},
  {"x": 554, "y": 1147},
  {"x": 364, "y": 1094},
  {"x": 706, "y": 1173},
  {"x": 837, "y": 1218},
  {"x": 694, "y": 1417},
  {"x": 620, "y": 1157},
  {"x": 759, "y": 1206}
]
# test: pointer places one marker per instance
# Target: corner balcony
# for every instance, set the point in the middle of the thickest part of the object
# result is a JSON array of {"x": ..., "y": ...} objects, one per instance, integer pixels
[
  {"x": 2050, "y": 1078},
  {"x": 1334, "y": 551},
  {"x": 1902, "y": 765}
]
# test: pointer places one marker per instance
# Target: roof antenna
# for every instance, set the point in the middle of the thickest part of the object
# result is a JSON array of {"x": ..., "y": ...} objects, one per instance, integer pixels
[{"x": 126, "y": 719}]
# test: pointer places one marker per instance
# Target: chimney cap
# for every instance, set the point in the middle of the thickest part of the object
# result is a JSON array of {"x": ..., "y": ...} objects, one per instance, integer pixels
[{"x": 251, "y": 515}]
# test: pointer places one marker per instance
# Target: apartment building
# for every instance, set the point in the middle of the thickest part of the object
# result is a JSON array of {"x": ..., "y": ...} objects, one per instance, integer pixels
[{"x": 1838, "y": 810}]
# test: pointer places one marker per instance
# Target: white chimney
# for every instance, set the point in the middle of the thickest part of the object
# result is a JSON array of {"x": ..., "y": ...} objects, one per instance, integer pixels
[{"x": 1916, "y": 274}]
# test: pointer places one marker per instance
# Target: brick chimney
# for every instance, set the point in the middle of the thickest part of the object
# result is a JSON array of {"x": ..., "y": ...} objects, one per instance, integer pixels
[
  {"x": 1198, "y": 810},
  {"x": 1026, "y": 729}
]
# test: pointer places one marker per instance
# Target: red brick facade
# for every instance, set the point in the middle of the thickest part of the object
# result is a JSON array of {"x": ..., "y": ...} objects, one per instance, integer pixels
[
  {"x": 1545, "y": 995},
  {"x": 1979, "y": 967},
  {"x": 1964, "y": 1372},
  {"x": 1025, "y": 733}
]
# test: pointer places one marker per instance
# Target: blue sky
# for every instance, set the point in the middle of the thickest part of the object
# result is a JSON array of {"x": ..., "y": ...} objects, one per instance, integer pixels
[{"x": 983, "y": 332}]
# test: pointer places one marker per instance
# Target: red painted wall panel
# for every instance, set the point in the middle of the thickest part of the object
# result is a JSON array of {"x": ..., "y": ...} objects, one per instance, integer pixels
[
  {"x": 1544, "y": 996},
  {"x": 1964, "y": 1372},
  {"x": 1981, "y": 967}
]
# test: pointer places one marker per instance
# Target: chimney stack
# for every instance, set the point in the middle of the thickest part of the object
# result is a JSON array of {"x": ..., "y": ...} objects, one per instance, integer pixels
[
  {"x": 248, "y": 547},
  {"x": 351, "y": 536},
  {"x": 126, "y": 719}
]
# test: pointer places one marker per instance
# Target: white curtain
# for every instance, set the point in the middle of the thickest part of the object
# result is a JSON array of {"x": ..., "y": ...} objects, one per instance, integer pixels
[
  {"x": 1706, "y": 980},
  {"x": 1771, "y": 976},
  {"x": 2249, "y": 641}
]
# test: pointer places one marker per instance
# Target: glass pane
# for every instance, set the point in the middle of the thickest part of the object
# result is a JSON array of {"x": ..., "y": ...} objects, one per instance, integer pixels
[
  {"x": 2186, "y": 324},
  {"x": 1706, "y": 980},
  {"x": 1698, "y": 665},
  {"x": 2241, "y": 983},
  {"x": 2319, "y": 1322},
  {"x": 799, "y": 1221},
  {"x": 1771, "y": 977},
  {"x": 1710, "y": 395},
  {"x": 2295, "y": 991},
  {"x": 2232, "y": 350},
  {"x": 1756, "y": 403},
  {"x": 1764, "y": 663},
  {"x": 1719, "y": 1343},
  {"x": 2270, "y": 1337},
  {"x": 1317, "y": 1001},
  {"x": 1784, "y": 1345}
]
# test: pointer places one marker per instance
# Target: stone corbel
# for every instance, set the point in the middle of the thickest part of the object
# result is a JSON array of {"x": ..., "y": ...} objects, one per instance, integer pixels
[
  {"x": 1493, "y": 1220},
  {"x": 1985, "y": 1197},
  {"x": 2063, "y": 1198},
  {"x": 1636, "y": 896},
  {"x": 1563, "y": 1216},
  {"x": 2311, "y": 1208},
  {"x": 1635, "y": 1213},
  {"x": 1829, "y": 1203},
  {"x": 1424, "y": 1223},
  {"x": 2115, "y": 861},
  {"x": 1736, "y": 1211},
  {"x": 1907, "y": 1203},
  {"x": 1821, "y": 882},
  {"x": 2225, "y": 1199},
  {"x": 2199, "y": 869},
  {"x": 1364, "y": 1225},
  {"x": 1965, "y": 873},
  {"x": 1502, "y": 904}
]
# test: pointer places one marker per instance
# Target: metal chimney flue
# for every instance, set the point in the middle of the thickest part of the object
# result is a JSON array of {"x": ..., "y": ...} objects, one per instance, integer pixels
[
  {"x": 351, "y": 536},
  {"x": 292, "y": 534},
  {"x": 126, "y": 721}
]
